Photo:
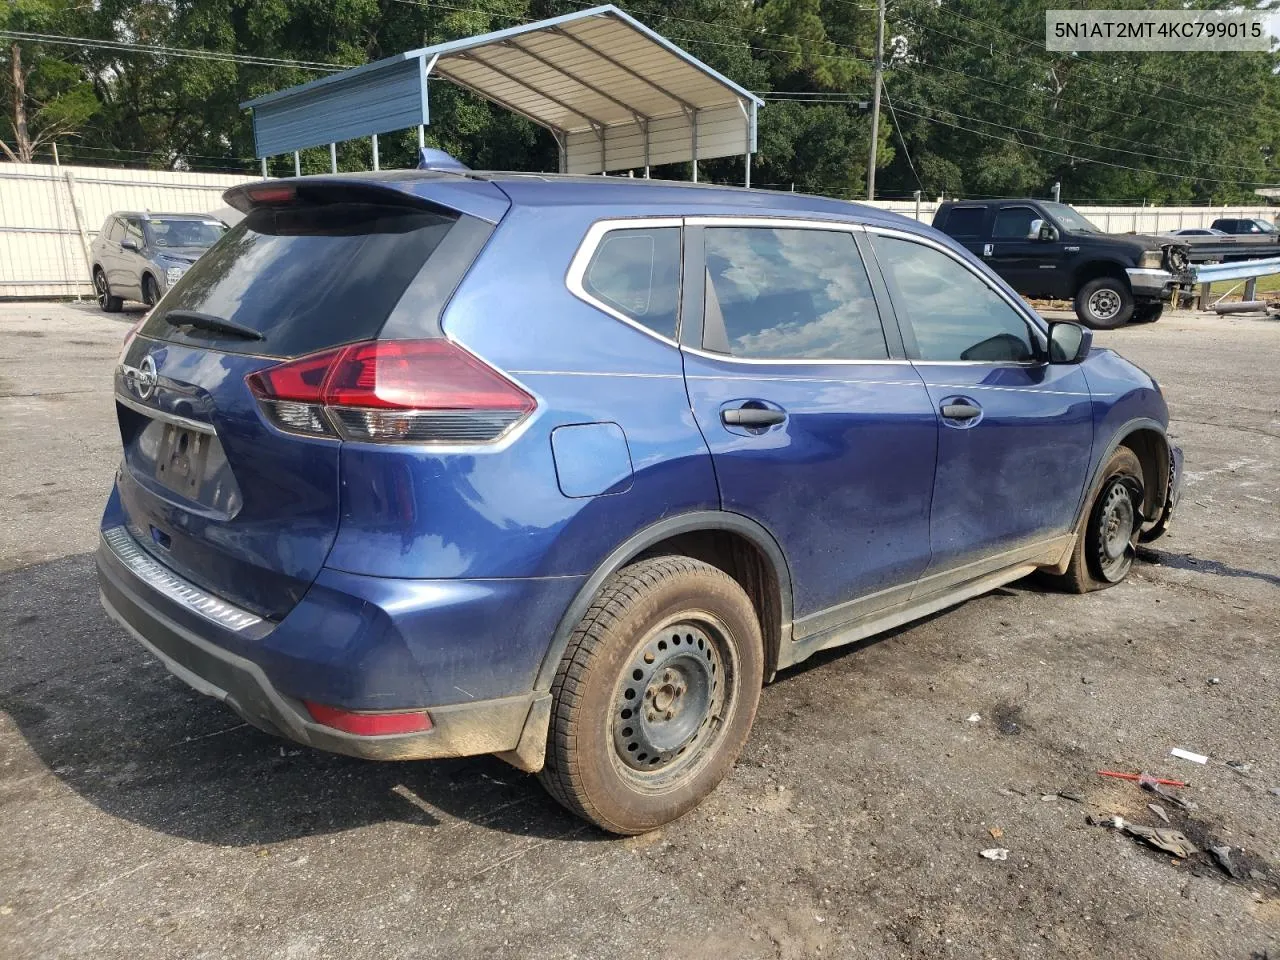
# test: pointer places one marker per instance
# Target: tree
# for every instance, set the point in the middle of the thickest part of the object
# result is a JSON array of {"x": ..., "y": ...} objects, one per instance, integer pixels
[{"x": 44, "y": 95}]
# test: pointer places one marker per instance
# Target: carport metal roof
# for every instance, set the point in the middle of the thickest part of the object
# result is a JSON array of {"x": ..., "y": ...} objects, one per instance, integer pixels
[{"x": 615, "y": 95}]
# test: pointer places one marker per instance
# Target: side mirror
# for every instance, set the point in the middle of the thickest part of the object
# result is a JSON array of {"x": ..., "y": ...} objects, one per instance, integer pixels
[
  {"x": 1068, "y": 342},
  {"x": 1034, "y": 231},
  {"x": 128, "y": 243}
]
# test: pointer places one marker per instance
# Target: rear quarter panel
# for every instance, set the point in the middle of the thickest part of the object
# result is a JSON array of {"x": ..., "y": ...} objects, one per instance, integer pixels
[{"x": 499, "y": 511}]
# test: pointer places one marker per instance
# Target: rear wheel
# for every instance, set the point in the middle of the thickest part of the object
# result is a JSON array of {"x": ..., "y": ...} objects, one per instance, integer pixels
[
  {"x": 106, "y": 301},
  {"x": 1104, "y": 552},
  {"x": 1147, "y": 312},
  {"x": 655, "y": 695},
  {"x": 1104, "y": 303}
]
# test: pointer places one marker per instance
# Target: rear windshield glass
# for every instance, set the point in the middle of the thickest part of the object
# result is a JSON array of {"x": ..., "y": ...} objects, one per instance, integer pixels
[
  {"x": 183, "y": 233},
  {"x": 305, "y": 278}
]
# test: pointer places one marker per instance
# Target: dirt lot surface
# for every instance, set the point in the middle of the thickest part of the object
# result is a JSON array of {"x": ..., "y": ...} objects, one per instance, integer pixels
[{"x": 138, "y": 819}]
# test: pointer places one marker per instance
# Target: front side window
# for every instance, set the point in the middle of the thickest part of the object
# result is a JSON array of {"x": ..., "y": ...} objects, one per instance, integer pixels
[
  {"x": 636, "y": 271},
  {"x": 133, "y": 231},
  {"x": 789, "y": 294},
  {"x": 1013, "y": 223},
  {"x": 952, "y": 313}
]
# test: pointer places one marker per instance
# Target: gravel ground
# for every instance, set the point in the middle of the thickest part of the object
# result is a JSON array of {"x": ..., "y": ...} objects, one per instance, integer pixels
[{"x": 138, "y": 819}]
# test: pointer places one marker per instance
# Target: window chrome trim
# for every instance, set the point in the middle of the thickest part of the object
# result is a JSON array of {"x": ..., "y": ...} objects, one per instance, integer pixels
[
  {"x": 587, "y": 249},
  {"x": 164, "y": 581},
  {"x": 155, "y": 413},
  {"x": 1017, "y": 303}
]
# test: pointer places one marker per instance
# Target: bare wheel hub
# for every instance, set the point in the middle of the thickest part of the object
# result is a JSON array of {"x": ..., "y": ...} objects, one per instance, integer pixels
[
  {"x": 1117, "y": 522},
  {"x": 670, "y": 700}
]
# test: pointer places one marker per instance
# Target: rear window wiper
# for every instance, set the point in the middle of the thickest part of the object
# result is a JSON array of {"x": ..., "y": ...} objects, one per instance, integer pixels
[{"x": 207, "y": 321}]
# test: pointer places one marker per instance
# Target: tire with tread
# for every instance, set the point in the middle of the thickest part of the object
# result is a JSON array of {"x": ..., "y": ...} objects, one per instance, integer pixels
[
  {"x": 1083, "y": 574},
  {"x": 1147, "y": 312},
  {"x": 108, "y": 303},
  {"x": 1116, "y": 286},
  {"x": 582, "y": 770}
]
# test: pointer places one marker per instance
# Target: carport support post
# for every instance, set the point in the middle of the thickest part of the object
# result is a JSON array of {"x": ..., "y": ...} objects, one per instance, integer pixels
[
  {"x": 333, "y": 158},
  {"x": 375, "y": 152},
  {"x": 297, "y": 164},
  {"x": 693, "y": 127},
  {"x": 422, "y": 137},
  {"x": 746, "y": 162},
  {"x": 264, "y": 168}
]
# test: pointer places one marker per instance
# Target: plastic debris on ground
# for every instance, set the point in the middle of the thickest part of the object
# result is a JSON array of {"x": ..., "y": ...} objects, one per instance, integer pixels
[
  {"x": 974, "y": 717},
  {"x": 995, "y": 853},
  {"x": 1170, "y": 841},
  {"x": 1158, "y": 811},
  {"x": 1222, "y": 854},
  {"x": 1157, "y": 787},
  {"x": 1188, "y": 755}
]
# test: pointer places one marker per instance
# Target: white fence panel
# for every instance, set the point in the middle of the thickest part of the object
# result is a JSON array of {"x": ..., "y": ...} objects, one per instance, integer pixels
[{"x": 49, "y": 214}]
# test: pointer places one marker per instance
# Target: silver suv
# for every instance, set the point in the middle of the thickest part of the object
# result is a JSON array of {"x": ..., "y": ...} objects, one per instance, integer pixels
[{"x": 138, "y": 256}]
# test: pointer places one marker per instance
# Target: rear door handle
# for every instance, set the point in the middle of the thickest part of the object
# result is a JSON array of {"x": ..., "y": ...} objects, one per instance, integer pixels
[
  {"x": 752, "y": 417},
  {"x": 960, "y": 411}
]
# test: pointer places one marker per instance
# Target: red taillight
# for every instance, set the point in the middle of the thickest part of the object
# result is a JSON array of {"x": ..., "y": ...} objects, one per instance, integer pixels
[
  {"x": 366, "y": 724},
  {"x": 417, "y": 391},
  {"x": 271, "y": 194}
]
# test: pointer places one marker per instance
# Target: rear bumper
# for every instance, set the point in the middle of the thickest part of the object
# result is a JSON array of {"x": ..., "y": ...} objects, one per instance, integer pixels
[{"x": 237, "y": 667}]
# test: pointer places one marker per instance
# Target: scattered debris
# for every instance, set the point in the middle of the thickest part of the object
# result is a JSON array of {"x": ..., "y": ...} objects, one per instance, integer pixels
[
  {"x": 1140, "y": 777},
  {"x": 1214, "y": 681},
  {"x": 1274, "y": 791},
  {"x": 996, "y": 833},
  {"x": 995, "y": 853},
  {"x": 1222, "y": 854},
  {"x": 1046, "y": 797},
  {"x": 1158, "y": 811},
  {"x": 1188, "y": 755},
  {"x": 974, "y": 717},
  {"x": 1240, "y": 767},
  {"x": 1170, "y": 841},
  {"x": 1071, "y": 795},
  {"x": 1155, "y": 786}
]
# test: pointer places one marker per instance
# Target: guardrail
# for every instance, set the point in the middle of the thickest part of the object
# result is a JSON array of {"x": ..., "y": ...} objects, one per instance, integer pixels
[{"x": 1246, "y": 270}]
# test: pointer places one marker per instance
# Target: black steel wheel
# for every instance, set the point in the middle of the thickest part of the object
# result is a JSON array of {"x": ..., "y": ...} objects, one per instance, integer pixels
[
  {"x": 655, "y": 694},
  {"x": 1106, "y": 543}
]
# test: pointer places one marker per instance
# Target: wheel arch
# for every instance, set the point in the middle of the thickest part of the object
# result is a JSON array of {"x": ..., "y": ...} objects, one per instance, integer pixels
[
  {"x": 1092, "y": 269},
  {"x": 1150, "y": 443},
  {"x": 740, "y": 546}
]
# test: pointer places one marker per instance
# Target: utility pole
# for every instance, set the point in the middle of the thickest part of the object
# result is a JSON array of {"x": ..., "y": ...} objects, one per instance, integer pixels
[{"x": 875, "y": 102}]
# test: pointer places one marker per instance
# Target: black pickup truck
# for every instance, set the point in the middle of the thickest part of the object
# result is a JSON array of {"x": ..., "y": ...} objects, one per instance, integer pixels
[{"x": 1047, "y": 250}]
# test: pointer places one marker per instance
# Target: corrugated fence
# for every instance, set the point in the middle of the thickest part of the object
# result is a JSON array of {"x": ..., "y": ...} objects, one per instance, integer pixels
[{"x": 50, "y": 214}]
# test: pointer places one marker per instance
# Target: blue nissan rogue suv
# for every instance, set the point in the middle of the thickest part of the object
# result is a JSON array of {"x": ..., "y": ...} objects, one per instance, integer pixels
[{"x": 422, "y": 464}]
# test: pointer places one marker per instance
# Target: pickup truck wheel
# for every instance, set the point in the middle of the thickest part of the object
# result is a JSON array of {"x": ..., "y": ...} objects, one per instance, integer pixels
[
  {"x": 1106, "y": 546},
  {"x": 655, "y": 695},
  {"x": 1147, "y": 312},
  {"x": 1104, "y": 303}
]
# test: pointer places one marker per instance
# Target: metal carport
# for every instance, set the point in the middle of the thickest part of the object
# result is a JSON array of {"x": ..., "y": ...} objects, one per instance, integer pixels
[{"x": 613, "y": 93}]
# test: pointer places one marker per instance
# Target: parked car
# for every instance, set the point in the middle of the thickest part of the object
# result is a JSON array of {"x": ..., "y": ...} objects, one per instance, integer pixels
[
  {"x": 1244, "y": 225},
  {"x": 563, "y": 469},
  {"x": 1049, "y": 251},
  {"x": 1198, "y": 232},
  {"x": 139, "y": 256}
]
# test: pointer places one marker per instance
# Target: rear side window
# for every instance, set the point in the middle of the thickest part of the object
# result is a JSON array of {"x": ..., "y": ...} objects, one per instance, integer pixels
[
  {"x": 966, "y": 221},
  {"x": 789, "y": 294},
  {"x": 305, "y": 277},
  {"x": 637, "y": 273},
  {"x": 1013, "y": 223}
]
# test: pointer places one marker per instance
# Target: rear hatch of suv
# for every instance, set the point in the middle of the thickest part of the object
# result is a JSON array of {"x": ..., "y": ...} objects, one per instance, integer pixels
[{"x": 238, "y": 494}]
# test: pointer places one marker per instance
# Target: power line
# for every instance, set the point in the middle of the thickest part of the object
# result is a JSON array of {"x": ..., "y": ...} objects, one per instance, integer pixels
[
  {"x": 902, "y": 139},
  {"x": 1075, "y": 156},
  {"x": 121, "y": 46}
]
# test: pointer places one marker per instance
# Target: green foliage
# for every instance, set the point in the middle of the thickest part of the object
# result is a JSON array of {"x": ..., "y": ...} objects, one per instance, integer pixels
[{"x": 981, "y": 107}]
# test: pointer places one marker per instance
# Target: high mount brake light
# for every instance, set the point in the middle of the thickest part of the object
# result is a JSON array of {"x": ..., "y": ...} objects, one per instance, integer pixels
[
  {"x": 272, "y": 194},
  {"x": 408, "y": 391}
]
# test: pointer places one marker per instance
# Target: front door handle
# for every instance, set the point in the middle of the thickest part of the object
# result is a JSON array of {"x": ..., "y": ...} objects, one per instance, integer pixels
[
  {"x": 752, "y": 417},
  {"x": 960, "y": 411}
]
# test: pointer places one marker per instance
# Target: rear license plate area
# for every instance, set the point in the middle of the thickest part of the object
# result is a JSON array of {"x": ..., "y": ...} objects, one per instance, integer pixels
[{"x": 182, "y": 459}]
